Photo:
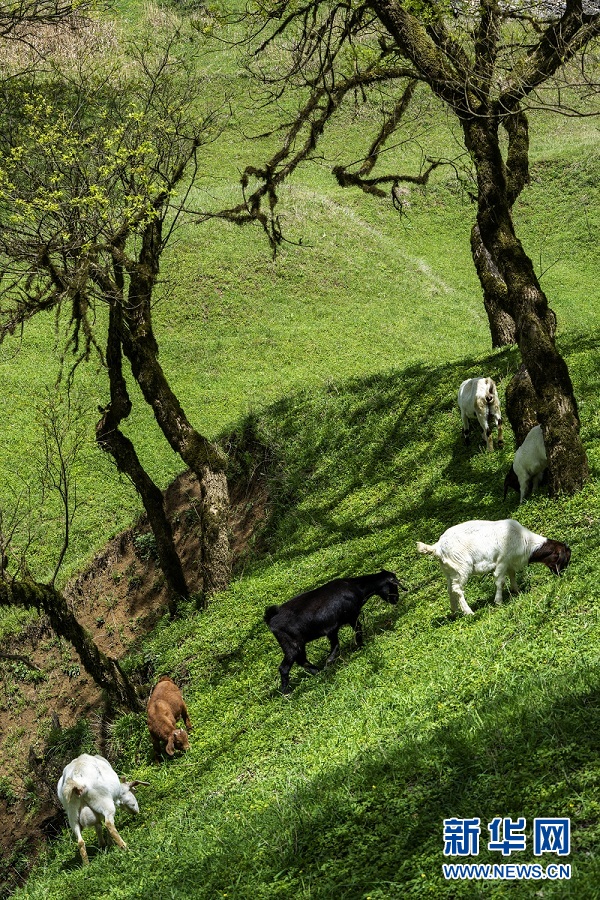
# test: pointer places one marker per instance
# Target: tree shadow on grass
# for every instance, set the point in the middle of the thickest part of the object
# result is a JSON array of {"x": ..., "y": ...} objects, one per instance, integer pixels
[
  {"x": 388, "y": 437},
  {"x": 391, "y": 445}
]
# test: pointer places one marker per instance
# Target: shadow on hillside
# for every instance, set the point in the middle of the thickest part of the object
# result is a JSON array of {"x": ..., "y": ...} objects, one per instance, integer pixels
[
  {"x": 581, "y": 342},
  {"x": 394, "y": 436},
  {"x": 385, "y": 453},
  {"x": 372, "y": 827}
]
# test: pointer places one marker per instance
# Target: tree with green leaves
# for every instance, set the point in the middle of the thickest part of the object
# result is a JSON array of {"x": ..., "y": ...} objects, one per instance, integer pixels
[
  {"x": 92, "y": 159},
  {"x": 487, "y": 63}
]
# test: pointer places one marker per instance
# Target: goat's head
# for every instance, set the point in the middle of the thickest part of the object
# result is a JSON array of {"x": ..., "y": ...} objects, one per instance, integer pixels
[
  {"x": 511, "y": 481},
  {"x": 553, "y": 554},
  {"x": 390, "y": 586},
  {"x": 128, "y": 798},
  {"x": 177, "y": 741}
]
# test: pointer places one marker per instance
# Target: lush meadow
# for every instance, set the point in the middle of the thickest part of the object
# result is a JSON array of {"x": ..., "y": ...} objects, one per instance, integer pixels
[{"x": 342, "y": 356}]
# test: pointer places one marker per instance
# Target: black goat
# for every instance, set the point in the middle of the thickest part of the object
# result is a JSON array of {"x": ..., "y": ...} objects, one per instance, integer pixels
[{"x": 321, "y": 613}]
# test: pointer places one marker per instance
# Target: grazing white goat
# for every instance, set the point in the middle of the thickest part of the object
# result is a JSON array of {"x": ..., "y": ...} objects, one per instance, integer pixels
[
  {"x": 528, "y": 466},
  {"x": 478, "y": 399},
  {"x": 502, "y": 548},
  {"x": 90, "y": 791}
]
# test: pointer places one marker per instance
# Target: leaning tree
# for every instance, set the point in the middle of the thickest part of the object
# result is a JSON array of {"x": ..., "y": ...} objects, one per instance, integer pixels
[
  {"x": 487, "y": 63},
  {"x": 92, "y": 157}
]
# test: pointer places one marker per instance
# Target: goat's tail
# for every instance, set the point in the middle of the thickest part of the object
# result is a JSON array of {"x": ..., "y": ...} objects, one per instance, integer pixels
[
  {"x": 73, "y": 787},
  {"x": 490, "y": 394},
  {"x": 270, "y": 611},
  {"x": 429, "y": 549}
]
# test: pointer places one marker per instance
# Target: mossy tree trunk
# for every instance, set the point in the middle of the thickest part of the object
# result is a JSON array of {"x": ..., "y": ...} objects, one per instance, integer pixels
[
  {"x": 526, "y": 303},
  {"x": 502, "y": 325},
  {"x": 216, "y": 554},
  {"x": 521, "y": 405}
]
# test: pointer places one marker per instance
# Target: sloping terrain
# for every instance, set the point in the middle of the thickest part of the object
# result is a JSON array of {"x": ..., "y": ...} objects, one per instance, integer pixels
[
  {"x": 342, "y": 787},
  {"x": 50, "y": 708},
  {"x": 332, "y": 372}
]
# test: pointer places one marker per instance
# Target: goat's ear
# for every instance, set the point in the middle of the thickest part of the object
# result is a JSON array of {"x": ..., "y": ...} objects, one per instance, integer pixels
[
  {"x": 170, "y": 748},
  {"x": 135, "y": 784}
]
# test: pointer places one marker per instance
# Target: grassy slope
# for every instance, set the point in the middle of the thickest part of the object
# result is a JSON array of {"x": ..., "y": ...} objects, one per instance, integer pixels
[
  {"x": 349, "y": 354},
  {"x": 340, "y": 790}
]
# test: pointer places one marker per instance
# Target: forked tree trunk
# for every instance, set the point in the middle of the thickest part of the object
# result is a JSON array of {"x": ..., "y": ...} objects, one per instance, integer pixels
[
  {"x": 110, "y": 439},
  {"x": 105, "y": 671},
  {"x": 526, "y": 303},
  {"x": 205, "y": 459}
]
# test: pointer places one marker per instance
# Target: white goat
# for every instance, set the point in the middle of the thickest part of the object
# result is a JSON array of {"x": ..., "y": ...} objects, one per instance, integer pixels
[
  {"x": 478, "y": 399},
  {"x": 90, "y": 791},
  {"x": 528, "y": 466},
  {"x": 502, "y": 548}
]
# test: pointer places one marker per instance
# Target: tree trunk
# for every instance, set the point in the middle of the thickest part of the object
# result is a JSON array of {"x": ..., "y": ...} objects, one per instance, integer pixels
[
  {"x": 521, "y": 405},
  {"x": 526, "y": 303},
  {"x": 113, "y": 441},
  {"x": 216, "y": 556},
  {"x": 105, "y": 671},
  {"x": 502, "y": 325},
  {"x": 205, "y": 459}
]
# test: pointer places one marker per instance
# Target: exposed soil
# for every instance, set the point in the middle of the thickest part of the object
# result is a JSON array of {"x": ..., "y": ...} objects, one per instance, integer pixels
[{"x": 43, "y": 686}]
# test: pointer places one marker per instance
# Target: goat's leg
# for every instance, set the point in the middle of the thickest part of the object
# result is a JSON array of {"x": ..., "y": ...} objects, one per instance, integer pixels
[
  {"x": 525, "y": 490},
  {"x": 284, "y": 671},
  {"x": 303, "y": 661},
  {"x": 76, "y": 829},
  {"x": 457, "y": 598},
  {"x": 465, "y": 429},
  {"x": 482, "y": 418},
  {"x": 358, "y": 632},
  {"x": 289, "y": 656},
  {"x": 335, "y": 646},
  {"x": 537, "y": 480},
  {"x": 100, "y": 834},
  {"x": 185, "y": 717},
  {"x": 453, "y": 599},
  {"x": 157, "y": 745},
  {"x": 83, "y": 851},
  {"x": 514, "y": 587},
  {"x": 500, "y": 434},
  {"x": 500, "y": 578},
  {"x": 110, "y": 827}
]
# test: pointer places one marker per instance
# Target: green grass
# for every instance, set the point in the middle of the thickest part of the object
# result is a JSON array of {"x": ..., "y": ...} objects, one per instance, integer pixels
[
  {"x": 341, "y": 789},
  {"x": 343, "y": 356}
]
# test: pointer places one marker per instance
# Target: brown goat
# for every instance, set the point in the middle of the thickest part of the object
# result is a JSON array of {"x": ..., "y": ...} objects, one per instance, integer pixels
[{"x": 165, "y": 707}]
